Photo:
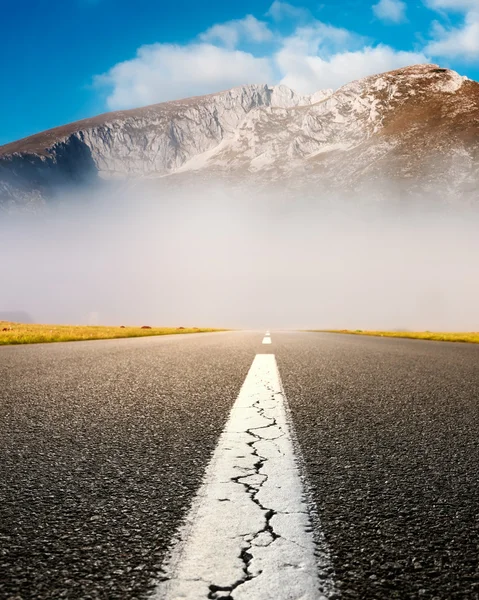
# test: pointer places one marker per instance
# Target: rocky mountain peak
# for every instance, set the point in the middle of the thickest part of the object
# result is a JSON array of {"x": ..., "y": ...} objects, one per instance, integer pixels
[{"x": 387, "y": 125}]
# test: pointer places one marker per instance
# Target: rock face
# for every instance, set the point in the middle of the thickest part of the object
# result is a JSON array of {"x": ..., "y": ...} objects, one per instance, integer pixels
[{"x": 418, "y": 124}]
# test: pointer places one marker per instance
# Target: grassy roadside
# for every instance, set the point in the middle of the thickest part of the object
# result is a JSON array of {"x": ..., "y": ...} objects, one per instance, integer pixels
[
  {"x": 470, "y": 337},
  {"x": 20, "y": 333}
]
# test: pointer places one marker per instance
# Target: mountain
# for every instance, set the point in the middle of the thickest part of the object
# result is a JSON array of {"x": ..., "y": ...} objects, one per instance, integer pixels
[{"x": 415, "y": 127}]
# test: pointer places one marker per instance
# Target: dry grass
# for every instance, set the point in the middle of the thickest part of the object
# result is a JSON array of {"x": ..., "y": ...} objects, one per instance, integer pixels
[
  {"x": 20, "y": 333},
  {"x": 470, "y": 337}
]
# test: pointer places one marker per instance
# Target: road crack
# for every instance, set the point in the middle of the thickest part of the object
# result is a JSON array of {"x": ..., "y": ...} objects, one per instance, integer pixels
[
  {"x": 266, "y": 535},
  {"x": 248, "y": 532}
]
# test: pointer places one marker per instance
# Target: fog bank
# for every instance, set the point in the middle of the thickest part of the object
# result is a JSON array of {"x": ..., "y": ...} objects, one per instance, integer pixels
[{"x": 218, "y": 256}]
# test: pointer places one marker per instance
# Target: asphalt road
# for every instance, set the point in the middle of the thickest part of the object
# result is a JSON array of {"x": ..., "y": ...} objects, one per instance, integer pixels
[
  {"x": 389, "y": 431},
  {"x": 103, "y": 445}
]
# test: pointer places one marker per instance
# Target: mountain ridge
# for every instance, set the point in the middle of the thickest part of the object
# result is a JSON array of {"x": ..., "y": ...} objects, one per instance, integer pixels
[
  {"x": 382, "y": 126},
  {"x": 35, "y": 143}
]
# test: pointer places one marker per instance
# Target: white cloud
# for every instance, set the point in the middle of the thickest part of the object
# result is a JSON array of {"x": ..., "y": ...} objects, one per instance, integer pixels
[
  {"x": 232, "y": 32},
  {"x": 307, "y": 74},
  {"x": 458, "y": 42},
  {"x": 316, "y": 56},
  {"x": 163, "y": 72},
  {"x": 280, "y": 11},
  {"x": 453, "y": 5},
  {"x": 392, "y": 11},
  {"x": 320, "y": 56},
  {"x": 318, "y": 37}
]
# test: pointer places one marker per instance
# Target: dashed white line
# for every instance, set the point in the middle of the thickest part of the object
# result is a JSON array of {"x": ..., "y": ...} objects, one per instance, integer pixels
[
  {"x": 248, "y": 535},
  {"x": 267, "y": 338}
]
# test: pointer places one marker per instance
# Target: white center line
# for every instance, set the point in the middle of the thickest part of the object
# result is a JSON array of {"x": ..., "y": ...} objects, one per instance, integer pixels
[
  {"x": 267, "y": 338},
  {"x": 248, "y": 535}
]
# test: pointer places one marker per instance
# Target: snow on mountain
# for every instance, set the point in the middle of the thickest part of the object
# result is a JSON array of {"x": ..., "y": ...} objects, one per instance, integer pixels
[{"x": 403, "y": 124}]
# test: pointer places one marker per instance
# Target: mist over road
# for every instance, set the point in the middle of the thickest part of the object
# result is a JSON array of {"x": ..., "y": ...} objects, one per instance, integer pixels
[
  {"x": 216, "y": 256},
  {"x": 104, "y": 446}
]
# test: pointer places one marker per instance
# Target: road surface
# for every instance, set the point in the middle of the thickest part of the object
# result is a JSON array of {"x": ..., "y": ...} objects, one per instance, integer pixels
[{"x": 107, "y": 447}]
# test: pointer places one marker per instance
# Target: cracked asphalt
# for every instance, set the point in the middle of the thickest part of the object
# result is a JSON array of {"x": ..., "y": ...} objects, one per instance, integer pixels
[
  {"x": 389, "y": 431},
  {"x": 102, "y": 447},
  {"x": 104, "y": 444}
]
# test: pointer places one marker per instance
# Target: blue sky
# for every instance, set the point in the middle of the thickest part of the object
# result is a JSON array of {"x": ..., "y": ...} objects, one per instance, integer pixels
[{"x": 64, "y": 60}]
